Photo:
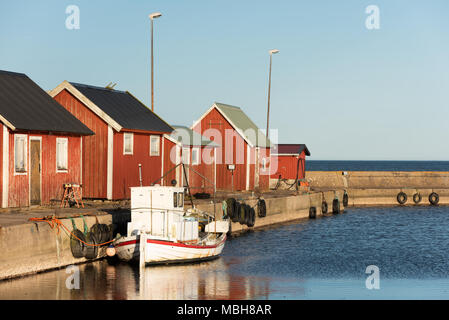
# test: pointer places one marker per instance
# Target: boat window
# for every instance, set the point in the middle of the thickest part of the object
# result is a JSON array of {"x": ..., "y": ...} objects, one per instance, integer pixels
[
  {"x": 181, "y": 199},
  {"x": 175, "y": 199}
]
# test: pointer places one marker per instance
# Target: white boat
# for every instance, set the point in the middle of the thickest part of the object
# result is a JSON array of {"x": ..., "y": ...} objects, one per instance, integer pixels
[{"x": 170, "y": 233}]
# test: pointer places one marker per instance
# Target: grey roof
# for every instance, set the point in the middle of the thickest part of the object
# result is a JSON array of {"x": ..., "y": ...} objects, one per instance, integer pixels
[
  {"x": 247, "y": 127},
  {"x": 124, "y": 108},
  {"x": 189, "y": 137},
  {"x": 26, "y": 106}
]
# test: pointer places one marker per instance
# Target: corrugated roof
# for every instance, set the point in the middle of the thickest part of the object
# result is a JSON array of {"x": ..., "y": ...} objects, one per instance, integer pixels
[
  {"x": 290, "y": 149},
  {"x": 26, "y": 106},
  {"x": 247, "y": 127},
  {"x": 124, "y": 108},
  {"x": 189, "y": 137}
]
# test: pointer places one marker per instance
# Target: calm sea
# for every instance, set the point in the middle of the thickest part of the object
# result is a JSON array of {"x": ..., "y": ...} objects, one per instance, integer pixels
[
  {"x": 326, "y": 258},
  {"x": 349, "y": 165}
]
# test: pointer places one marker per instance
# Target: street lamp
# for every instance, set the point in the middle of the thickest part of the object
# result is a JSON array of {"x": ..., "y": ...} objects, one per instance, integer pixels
[
  {"x": 152, "y": 17},
  {"x": 271, "y": 52}
]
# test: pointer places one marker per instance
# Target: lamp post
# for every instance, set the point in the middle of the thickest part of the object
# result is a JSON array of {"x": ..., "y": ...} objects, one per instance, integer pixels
[
  {"x": 271, "y": 52},
  {"x": 152, "y": 17}
]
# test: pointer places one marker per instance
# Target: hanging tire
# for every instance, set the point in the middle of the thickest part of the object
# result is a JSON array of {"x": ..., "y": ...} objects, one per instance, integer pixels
[
  {"x": 247, "y": 214},
  {"x": 336, "y": 206},
  {"x": 252, "y": 220},
  {"x": 261, "y": 208},
  {"x": 312, "y": 213},
  {"x": 345, "y": 200},
  {"x": 417, "y": 198},
  {"x": 230, "y": 203},
  {"x": 236, "y": 214},
  {"x": 77, "y": 247},
  {"x": 242, "y": 213},
  {"x": 324, "y": 207},
  {"x": 401, "y": 197},
  {"x": 97, "y": 229},
  {"x": 434, "y": 198},
  {"x": 91, "y": 251}
]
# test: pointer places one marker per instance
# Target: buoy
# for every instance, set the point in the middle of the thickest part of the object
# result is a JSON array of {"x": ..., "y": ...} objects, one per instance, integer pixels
[
  {"x": 110, "y": 251},
  {"x": 434, "y": 198},
  {"x": 401, "y": 197},
  {"x": 417, "y": 198}
]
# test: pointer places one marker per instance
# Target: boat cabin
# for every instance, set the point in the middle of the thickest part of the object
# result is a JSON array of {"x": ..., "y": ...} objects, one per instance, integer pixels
[{"x": 159, "y": 211}]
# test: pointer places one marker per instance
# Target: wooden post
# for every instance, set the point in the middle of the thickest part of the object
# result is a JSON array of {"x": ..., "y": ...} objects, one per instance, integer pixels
[{"x": 142, "y": 245}]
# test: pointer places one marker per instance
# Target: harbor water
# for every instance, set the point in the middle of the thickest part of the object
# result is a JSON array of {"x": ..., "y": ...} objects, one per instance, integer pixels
[{"x": 326, "y": 258}]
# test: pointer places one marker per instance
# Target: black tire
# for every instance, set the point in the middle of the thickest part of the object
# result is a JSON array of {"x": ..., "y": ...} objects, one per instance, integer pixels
[
  {"x": 242, "y": 214},
  {"x": 434, "y": 198},
  {"x": 247, "y": 214},
  {"x": 261, "y": 208},
  {"x": 401, "y": 197},
  {"x": 324, "y": 207},
  {"x": 77, "y": 247},
  {"x": 312, "y": 213},
  {"x": 230, "y": 203},
  {"x": 417, "y": 198},
  {"x": 97, "y": 229},
  {"x": 235, "y": 217},
  {"x": 335, "y": 206},
  {"x": 345, "y": 200},
  {"x": 91, "y": 251},
  {"x": 252, "y": 220}
]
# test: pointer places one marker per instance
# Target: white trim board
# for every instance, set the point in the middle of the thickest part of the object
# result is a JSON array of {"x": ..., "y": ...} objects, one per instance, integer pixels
[
  {"x": 5, "y": 178},
  {"x": 65, "y": 85},
  {"x": 110, "y": 163}
]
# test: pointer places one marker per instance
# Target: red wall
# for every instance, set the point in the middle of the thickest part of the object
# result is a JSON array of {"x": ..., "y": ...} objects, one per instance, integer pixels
[
  {"x": 1, "y": 164},
  {"x": 264, "y": 175},
  {"x": 196, "y": 182},
  {"x": 95, "y": 147},
  {"x": 126, "y": 167},
  {"x": 287, "y": 166},
  {"x": 224, "y": 177},
  {"x": 52, "y": 181}
]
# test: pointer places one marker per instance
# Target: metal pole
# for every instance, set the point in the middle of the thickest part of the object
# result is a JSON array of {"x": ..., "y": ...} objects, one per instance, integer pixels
[
  {"x": 152, "y": 67},
  {"x": 269, "y": 89}
]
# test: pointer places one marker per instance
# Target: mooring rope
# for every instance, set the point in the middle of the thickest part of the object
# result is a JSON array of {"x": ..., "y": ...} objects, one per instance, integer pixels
[{"x": 55, "y": 222}]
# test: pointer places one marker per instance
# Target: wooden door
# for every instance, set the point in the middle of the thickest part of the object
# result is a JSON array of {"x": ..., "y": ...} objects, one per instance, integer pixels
[{"x": 35, "y": 172}]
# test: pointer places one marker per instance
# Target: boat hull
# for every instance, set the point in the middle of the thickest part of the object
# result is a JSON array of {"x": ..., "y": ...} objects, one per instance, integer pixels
[{"x": 164, "y": 252}]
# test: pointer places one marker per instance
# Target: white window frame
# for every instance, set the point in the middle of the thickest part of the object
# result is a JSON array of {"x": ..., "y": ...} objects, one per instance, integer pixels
[
  {"x": 125, "y": 134},
  {"x": 154, "y": 154},
  {"x": 66, "y": 155},
  {"x": 25, "y": 139},
  {"x": 197, "y": 160}
]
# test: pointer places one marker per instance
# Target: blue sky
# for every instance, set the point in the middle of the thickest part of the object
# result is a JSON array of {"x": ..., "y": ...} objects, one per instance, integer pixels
[{"x": 345, "y": 91}]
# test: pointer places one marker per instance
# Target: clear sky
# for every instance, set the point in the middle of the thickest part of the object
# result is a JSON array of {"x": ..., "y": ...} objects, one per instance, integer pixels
[{"x": 346, "y": 91}]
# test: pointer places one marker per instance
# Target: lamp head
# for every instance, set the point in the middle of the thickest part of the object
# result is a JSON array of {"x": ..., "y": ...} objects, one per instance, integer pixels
[
  {"x": 155, "y": 15},
  {"x": 274, "y": 51}
]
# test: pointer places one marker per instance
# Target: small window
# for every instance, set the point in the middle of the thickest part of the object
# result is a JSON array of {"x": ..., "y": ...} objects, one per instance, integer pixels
[
  {"x": 175, "y": 199},
  {"x": 180, "y": 199},
  {"x": 20, "y": 153},
  {"x": 195, "y": 156},
  {"x": 128, "y": 142},
  {"x": 61, "y": 154},
  {"x": 154, "y": 145}
]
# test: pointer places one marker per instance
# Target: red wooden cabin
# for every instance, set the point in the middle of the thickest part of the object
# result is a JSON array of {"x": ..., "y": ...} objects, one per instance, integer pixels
[
  {"x": 199, "y": 153},
  {"x": 40, "y": 141},
  {"x": 127, "y": 134},
  {"x": 289, "y": 161},
  {"x": 244, "y": 151}
]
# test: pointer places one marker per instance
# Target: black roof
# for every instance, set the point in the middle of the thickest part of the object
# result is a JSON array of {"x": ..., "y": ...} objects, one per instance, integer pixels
[
  {"x": 290, "y": 149},
  {"x": 124, "y": 108},
  {"x": 28, "y": 107}
]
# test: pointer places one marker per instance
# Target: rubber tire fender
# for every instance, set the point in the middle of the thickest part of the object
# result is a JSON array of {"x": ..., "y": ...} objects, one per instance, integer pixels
[
  {"x": 242, "y": 214},
  {"x": 252, "y": 219},
  {"x": 261, "y": 208},
  {"x": 91, "y": 251},
  {"x": 235, "y": 216},
  {"x": 230, "y": 202},
  {"x": 97, "y": 229},
  {"x": 77, "y": 247},
  {"x": 417, "y": 198},
  {"x": 434, "y": 198},
  {"x": 335, "y": 206},
  {"x": 312, "y": 213},
  {"x": 401, "y": 197},
  {"x": 247, "y": 214},
  {"x": 345, "y": 199},
  {"x": 324, "y": 207}
]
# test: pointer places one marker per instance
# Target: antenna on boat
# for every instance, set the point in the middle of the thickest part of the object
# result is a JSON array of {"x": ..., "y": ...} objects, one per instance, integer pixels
[{"x": 140, "y": 174}]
